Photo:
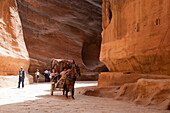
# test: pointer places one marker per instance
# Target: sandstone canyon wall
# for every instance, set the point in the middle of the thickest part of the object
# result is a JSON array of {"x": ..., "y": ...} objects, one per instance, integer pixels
[
  {"x": 68, "y": 29},
  {"x": 13, "y": 52},
  {"x": 136, "y": 36},
  {"x": 136, "y": 39}
]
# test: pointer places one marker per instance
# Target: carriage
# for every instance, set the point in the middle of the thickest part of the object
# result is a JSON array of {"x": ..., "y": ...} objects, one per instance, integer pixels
[{"x": 57, "y": 82}]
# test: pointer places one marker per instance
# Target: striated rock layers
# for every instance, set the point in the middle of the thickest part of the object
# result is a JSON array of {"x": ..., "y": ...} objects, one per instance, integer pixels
[
  {"x": 68, "y": 29},
  {"x": 136, "y": 36},
  {"x": 13, "y": 52}
]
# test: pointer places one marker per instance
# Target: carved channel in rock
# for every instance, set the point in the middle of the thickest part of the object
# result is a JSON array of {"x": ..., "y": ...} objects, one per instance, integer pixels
[
  {"x": 157, "y": 21},
  {"x": 110, "y": 15}
]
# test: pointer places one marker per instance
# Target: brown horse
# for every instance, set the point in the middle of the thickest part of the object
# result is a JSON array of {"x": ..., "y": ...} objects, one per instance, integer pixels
[{"x": 70, "y": 80}]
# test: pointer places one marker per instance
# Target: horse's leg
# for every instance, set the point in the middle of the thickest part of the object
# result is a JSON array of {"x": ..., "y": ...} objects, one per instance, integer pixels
[
  {"x": 73, "y": 90},
  {"x": 73, "y": 93},
  {"x": 67, "y": 93},
  {"x": 67, "y": 89},
  {"x": 64, "y": 88}
]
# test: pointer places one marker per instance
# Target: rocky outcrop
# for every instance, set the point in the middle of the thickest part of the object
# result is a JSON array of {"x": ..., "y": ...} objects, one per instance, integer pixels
[
  {"x": 68, "y": 29},
  {"x": 135, "y": 36},
  {"x": 136, "y": 49},
  {"x": 148, "y": 92},
  {"x": 13, "y": 52}
]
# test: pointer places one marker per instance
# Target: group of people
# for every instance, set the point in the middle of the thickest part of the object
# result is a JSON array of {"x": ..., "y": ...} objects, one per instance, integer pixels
[
  {"x": 49, "y": 75},
  {"x": 55, "y": 73},
  {"x": 22, "y": 75}
]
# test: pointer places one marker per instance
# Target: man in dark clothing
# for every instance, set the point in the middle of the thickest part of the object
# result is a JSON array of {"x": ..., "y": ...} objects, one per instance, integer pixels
[
  {"x": 22, "y": 75},
  {"x": 46, "y": 76}
]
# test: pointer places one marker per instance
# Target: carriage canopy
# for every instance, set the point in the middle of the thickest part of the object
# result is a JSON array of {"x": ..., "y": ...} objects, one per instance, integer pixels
[{"x": 58, "y": 64}]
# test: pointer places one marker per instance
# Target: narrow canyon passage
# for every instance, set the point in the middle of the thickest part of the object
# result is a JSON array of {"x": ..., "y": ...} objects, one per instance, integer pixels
[{"x": 121, "y": 49}]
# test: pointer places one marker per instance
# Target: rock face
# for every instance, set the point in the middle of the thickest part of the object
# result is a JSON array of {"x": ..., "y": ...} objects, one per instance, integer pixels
[
  {"x": 136, "y": 36},
  {"x": 135, "y": 39},
  {"x": 13, "y": 52},
  {"x": 118, "y": 79},
  {"x": 149, "y": 92},
  {"x": 68, "y": 29}
]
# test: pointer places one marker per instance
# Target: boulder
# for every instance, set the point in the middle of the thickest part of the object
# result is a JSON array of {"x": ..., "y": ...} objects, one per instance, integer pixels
[
  {"x": 154, "y": 93},
  {"x": 148, "y": 92}
]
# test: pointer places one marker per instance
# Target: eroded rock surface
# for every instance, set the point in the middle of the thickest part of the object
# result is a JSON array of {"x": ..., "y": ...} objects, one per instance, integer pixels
[
  {"x": 135, "y": 39},
  {"x": 68, "y": 29},
  {"x": 148, "y": 92},
  {"x": 13, "y": 52},
  {"x": 136, "y": 36}
]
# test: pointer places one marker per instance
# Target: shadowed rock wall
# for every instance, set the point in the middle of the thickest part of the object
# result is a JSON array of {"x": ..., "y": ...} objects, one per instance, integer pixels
[
  {"x": 13, "y": 52},
  {"x": 136, "y": 36},
  {"x": 68, "y": 29}
]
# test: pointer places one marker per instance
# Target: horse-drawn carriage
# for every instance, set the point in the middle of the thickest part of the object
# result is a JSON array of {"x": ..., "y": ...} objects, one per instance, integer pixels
[{"x": 64, "y": 82}]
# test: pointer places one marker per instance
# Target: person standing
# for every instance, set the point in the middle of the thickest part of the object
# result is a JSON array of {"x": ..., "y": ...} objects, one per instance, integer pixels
[
  {"x": 37, "y": 75},
  {"x": 46, "y": 75},
  {"x": 22, "y": 75},
  {"x": 53, "y": 74},
  {"x": 49, "y": 72},
  {"x": 64, "y": 71}
]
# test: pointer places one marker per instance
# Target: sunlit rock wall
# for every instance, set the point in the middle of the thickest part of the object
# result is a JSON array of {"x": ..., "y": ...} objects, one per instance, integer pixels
[
  {"x": 13, "y": 52},
  {"x": 136, "y": 36}
]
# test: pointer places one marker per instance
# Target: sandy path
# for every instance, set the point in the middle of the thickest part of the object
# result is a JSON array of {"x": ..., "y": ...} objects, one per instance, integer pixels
[{"x": 36, "y": 99}]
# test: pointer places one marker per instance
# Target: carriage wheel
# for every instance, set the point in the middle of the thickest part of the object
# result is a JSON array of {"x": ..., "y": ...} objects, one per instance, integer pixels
[{"x": 52, "y": 88}]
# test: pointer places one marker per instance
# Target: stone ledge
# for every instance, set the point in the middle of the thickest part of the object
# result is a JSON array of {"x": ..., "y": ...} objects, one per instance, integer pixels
[
  {"x": 118, "y": 78},
  {"x": 88, "y": 76}
]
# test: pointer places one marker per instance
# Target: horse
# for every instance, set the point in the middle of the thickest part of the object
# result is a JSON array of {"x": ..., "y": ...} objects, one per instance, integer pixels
[{"x": 70, "y": 80}]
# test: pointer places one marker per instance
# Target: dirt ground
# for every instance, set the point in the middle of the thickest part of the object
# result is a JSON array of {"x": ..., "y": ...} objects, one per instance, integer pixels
[{"x": 36, "y": 98}]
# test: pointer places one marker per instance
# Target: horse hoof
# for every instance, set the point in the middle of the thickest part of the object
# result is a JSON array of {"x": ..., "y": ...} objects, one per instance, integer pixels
[{"x": 73, "y": 98}]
